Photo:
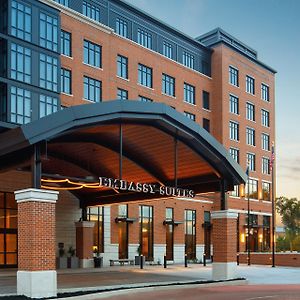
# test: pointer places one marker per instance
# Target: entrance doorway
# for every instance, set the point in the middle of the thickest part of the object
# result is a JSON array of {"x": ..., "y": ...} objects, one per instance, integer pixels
[
  {"x": 123, "y": 232},
  {"x": 169, "y": 234},
  {"x": 207, "y": 235},
  {"x": 8, "y": 231}
]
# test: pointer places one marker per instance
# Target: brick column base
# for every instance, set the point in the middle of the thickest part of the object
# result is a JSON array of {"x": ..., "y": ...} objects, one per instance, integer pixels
[
  {"x": 84, "y": 243},
  {"x": 224, "y": 244},
  {"x": 36, "y": 276}
]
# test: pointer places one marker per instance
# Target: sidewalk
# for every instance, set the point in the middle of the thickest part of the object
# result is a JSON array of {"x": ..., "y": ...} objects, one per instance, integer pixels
[{"x": 110, "y": 278}]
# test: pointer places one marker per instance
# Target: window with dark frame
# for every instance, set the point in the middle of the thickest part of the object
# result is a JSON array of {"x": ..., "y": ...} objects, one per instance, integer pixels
[
  {"x": 167, "y": 49},
  {"x": 168, "y": 85},
  {"x": 66, "y": 43},
  {"x": 250, "y": 85},
  {"x": 234, "y": 130},
  {"x": 233, "y": 104},
  {"x": 122, "y": 66},
  {"x": 48, "y": 31},
  {"x": 251, "y": 161},
  {"x": 233, "y": 76},
  {"x": 189, "y": 93},
  {"x": 20, "y": 63},
  {"x": 206, "y": 124},
  {"x": 91, "y": 11},
  {"x": 48, "y": 105},
  {"x": 145, "y": 75},
  {"x": 190, "y": 116},
  {"x": 188, "y": 59},
  {"x": 205, "y": 100},
  {"x": 66, "y": 81},
  {"x": 265, "y": 93},
  {"x": 250, "y": 136},
  {"x": 250, "y": 111},
  {"x": 144, "y": 38},
  {"x": 96, "y": 215},
  {"x": 121, "y": 27},
  {"x": 265, "y": 165},
  {"x": 146, "y": 231},
  {"x": 48, "y": 72},
  {"x": 92, "y": 89},
  {"x": 145, "y": 99},
  {"x": 265, "y": 141},
  {"x": 235, "y": 154},
  {"x": 20, "y": 105},
  {"x": 190, "y": 233},
  {"x": 122, "y": 94},
  {"x": 253, "y": 189},
  {"x": 92, "y": 54},
  {"x": 265, "y": 118}
]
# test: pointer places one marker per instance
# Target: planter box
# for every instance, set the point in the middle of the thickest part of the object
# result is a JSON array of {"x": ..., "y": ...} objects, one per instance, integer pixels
[
  {"x": 73, "y": 262},
  {"x": 98, "y": 262},
  {"x": 61, "y": 262},
  {"x": 137, "y": 260}
]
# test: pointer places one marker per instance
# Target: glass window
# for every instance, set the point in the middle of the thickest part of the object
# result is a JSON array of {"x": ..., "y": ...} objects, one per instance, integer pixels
[
  {"x": 167, "y": 49},
  {"x": 20, "y": 63},
  {"x": 168, "y": 85},
  {"x": 20, "y": 105},
  {"x": 189, "y": 93},
  {"x": 91, "y": 11},
  {"x": 250, "y": 111},
  {"x": 122, "y": 66},
  {"x": 21, "y": 20},
  {"x": 265, "y": 95},
  {"x": 122, "y": 94},
  {"x": 205, "y": 98},
  {"x": 66, "y": 43},
  {"x": 266, "y": 189},
  {"x": 145, "y": 99},
  {"x": 206, "y": 124},
  {"x": 190, "y": 233},
  {"x": 66, "y": 81},
  {"x": 146, "y": 231},
  {"x": 144, "y": 38},
  {"x": 92, "y": 89},
  {"x": 250, "y": 85},
  {"x": 236, "y": 191},
  {"x": 190, "y": 116},
  {"x": 48, "y": 31},
  {"x": 265, "y": 141},
  {"x": 252, "y": 185},
  {"x": 63, "y": 2},
  {"x": 265, "y": 118},
  {"x": 96, "y": 214},
  {"x": 92, "y": 54},
  {"x": 234, "y": 131},
  {"x": 145, "y": 75},
  {"x": 188, "y": 59},
  {"x": 121, "y": 27},
  {"x": 250, "y": 136},
  {"x": 48, "y": 105},
  {"x": 235, "y": 153},
  {"x": 48, "y": 72},
  {"x": 265, "y": 165},
  {"x": 233, "y": 76},
  {"x": 234, "y": 104},
  {"x": 266, "y": 242},
  {"x": 251, "y": 161}
]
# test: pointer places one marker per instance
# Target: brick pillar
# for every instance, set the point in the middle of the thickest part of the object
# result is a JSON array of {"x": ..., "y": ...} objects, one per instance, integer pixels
[
  {"x": 84, "y": 243},
  {"x": 224, "y": 244},
  {"x": 36, "y": 276}
]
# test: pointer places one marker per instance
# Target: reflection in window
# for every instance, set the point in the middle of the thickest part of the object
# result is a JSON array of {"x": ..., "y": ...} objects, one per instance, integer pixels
[
  {"x": 90, "y": 10},
  {"x": 190, "y": 233},
  {"x": 123, "y": 232},
  {"x": 253, "y": 188},
  {"x": 20, "y": 63},
  {"x": 20, "y": 105},
  {"x": 65, "y": 43},
  {"x": 66, "y": 82},
  {"x": 96, "y": 214},
  {"x": 48, "y": 72},
  {"x": 92, "y": 89},
  {"x": 146, "y": 231},
  {"x": 145, "y": 75},
  {"x": 48, "y": 105},
  {"x": 266, "y": 189},
  {"x": 92, "y": 54},
  {"x": 121, "y": 27},
  {"x": 122, "y": 66},
  {"x": 48, "y": 32},
  {"x": 189, "y": 93}
]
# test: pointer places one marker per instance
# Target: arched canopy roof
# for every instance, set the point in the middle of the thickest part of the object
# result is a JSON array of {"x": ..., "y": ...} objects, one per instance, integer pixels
[{"x": 159, "y": 144}]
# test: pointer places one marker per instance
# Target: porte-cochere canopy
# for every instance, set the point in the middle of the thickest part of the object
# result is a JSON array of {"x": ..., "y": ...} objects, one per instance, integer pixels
[{"x": 144, "y": 142}]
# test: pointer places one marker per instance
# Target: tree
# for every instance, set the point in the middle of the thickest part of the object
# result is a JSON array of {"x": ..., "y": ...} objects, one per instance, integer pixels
[{"x": 289, "y": 209}]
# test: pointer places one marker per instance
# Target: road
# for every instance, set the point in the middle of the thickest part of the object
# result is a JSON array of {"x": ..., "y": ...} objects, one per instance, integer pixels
[{"x": 243, "y": 292}]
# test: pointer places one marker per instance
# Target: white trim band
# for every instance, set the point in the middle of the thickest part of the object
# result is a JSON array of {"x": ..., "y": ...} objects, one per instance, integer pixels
[
  {"x": 224, "y": 214},
  {"x": 36, "y": 195}
]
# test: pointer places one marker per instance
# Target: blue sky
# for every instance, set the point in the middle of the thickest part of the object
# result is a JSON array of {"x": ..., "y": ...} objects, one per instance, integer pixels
[{"x": 272, "y": 28}]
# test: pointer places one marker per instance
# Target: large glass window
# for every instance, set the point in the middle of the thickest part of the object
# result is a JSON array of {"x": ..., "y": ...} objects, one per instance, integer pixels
[
  {"x": 20, "y": 63},
  {"x": 250, "y": 111},
  {"x": 265, "y": 94},
  {"x": 144, "y": 38},
  {"x": 167, "y": 49},
  {"x": 265, "y": 165},
  {"x": 188, "y": 59},
  {"x": 266, "y": 189},
  {"x": 206, "y": 124},
  {"x": 234, "y": 131},
  {"x": 122, "y": 66},
  {"x": 190, "y": 233},
  {"x": 92, "y": 89},
  {"x": 92, "y": 54},
  {"x": 121, "y": 27},
  {"x": 123, "y": 231},
  {"x": 235, "y": 153},
  {"x": 250, "y": 136},
  {"x": 169, "y": 233},
  {"x": 190, "y": 115},
  {"x": 236, "y": 191},
  {"x": 250, "y": 85},
  {"x": 253, "y": 188},
  {"x": 251, "y": 161},
  {"x": 21, "y": 20},
  {"x": 234, "y": 104},
  {"x": 265, "y": 141},
  {"x": 233, "y": 76},
  {"x": 145, "y": 75},
  {"x": 91, "y": 11},
  {"x": 96, "y": 214},
  {"x": 145, "y": 99},
  {"x": 48, "y": 72},
  {"x": 122, "y": 94},
  {"x": 48, "y": 105},
  {"x": 265, "y": 118},
  {"x": 189, "y": 93},
  {"x": 65, "y": 43},
  {"x": 48, "y": 31},
  {"x": 146, "y": 231},
  {"x": 266, "y": 241},
  {"x": 66, "y": 81},
  {"x": 20, "y": 105},
  {"x": 168, "y": 85},
  {"x": 205, "y": 99}
]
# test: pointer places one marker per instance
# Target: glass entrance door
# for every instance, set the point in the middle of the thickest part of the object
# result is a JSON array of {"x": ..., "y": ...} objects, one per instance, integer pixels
[
  {"x": 8, "y": 231},
  {"x": 123, "y": 232},
  {"x": 169, "y": 234}
]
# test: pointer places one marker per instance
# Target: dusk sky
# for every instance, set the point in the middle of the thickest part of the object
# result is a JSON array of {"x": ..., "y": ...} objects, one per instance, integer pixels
[{"x": 272, "y": 28}]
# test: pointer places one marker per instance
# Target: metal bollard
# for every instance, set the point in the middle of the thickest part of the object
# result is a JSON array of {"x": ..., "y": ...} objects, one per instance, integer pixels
[
  {"x": 185, "y": 261},
  {"x": 238, "y": 259},
  {"x": 165, "y": 262},
  {"x": 142, "y": 261},
  {"x": 204, "y": 260}
]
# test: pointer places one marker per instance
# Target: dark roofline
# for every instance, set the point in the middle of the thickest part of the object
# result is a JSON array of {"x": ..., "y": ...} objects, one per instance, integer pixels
[{"x": 158, "y": 22}]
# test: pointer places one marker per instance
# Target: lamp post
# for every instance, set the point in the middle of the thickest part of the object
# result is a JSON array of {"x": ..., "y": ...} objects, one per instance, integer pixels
[
  {"x": 248, "y": 213},
  {"x": 273, "y": 205}
]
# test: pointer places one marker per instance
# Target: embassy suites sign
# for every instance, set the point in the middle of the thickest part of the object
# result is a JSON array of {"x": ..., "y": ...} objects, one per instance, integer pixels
[{"x": 146, "y": 188}]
